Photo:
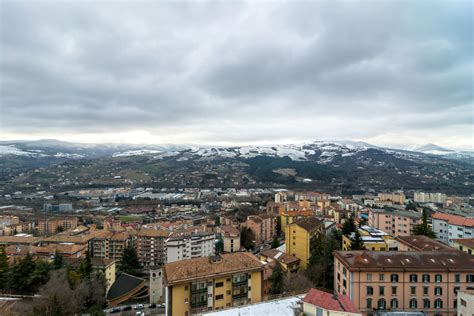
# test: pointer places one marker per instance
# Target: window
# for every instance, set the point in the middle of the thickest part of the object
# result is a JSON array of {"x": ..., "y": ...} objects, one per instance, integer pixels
[
  {"x": 344, "y": 270},
  {"x": 369, "y": 303},
  {"x": 381, "y": 277},
  {"x": 426, "y": 303},
  {"x": 455, "y": 303},
  {"x": 394, "y": 303},
  {"x": 438, "y": 291},
  {"x": 186, "y": 300},
  {"x": 394, "y": 278},
  {"x": 394, "y": 290},
  {"x": 319, "y": 311},
  {"x": 338, "y": 276},
  {"x": 438, "y": 278},
  {"x": 413, "y": 278},
  {"x": 413, "y": 290},
  {"x": 381, "y": 304},
  {"x": 425, "y": 290},
  {"x": 228, "y": 280},
  {"x": 456, "y": 289},
  {"x": 463, "y": 302},
  {"x": 370, "y": 290},
  {"x": 381, "y": 290},
  {"x": 344, "y": 283},
  {"x": 369, "y": 277},
  {"x": 219, "y": 297},
  {"x": 219, "y": 284},
  {"x": 413, "y": 303},
  {"x": 185, "y": 287},
  {"x": 470, "y": 278},
  {"x": 426, "y": 278},
  {"x": 228, "y": 292},
  {"x": 457, "y": 278},
  {"x": 438, "y": 303}
]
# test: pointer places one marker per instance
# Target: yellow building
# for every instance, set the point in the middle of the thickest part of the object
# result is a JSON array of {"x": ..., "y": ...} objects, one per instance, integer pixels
[
  {"x": 198, "y": 285},
  {"x": 373, "y": 239},
  {"x": 230, "y": 237},
  {"x": 298, "y": 237},
  {"x": 464, "y": 244}
]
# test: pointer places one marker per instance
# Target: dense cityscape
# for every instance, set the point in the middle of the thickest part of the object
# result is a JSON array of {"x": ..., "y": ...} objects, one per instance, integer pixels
[{"x": 236, "y": 158}]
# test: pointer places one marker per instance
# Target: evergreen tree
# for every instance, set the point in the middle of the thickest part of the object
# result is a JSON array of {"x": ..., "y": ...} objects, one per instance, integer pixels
[
  {"x": 130, "y": 263},
  {"x": 349, "y": 226},
  {"x": 247, "y": 238},
  {"x": 278, "y": 226},
  {"x": 219, "y": 245},
  {"x": 4, "y": 268},
  {"x": 356, "y": 241},
  {"x": 276, "y": 242},
  {"x": 277, "y": 280},
  {"x": 423, "y": 228},
  {"x": 85, "y": 268},
  {"x": 58, "y": 261},
  {"x": 20, "y": 281}
]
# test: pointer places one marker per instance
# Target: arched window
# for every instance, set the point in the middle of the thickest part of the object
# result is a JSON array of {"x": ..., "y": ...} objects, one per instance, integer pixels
[
  {"x": 394, "y": 303},
  {"x": 381, "y": 304},
  {"x": 413, "y": 303},
  {"x": 413, "y": 278},
  {"x": 369, "y": 303},
  {"x": 426, "y": 303},
  {"x": 438, "y": 278},
  {"x": 426, "y": 278},
  {"x": 394, "y": 278},
  {"x": 438, "y": 303}
]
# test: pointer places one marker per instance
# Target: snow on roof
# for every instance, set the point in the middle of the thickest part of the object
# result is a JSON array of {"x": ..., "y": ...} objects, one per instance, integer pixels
[{"x": 282, "y": 307}]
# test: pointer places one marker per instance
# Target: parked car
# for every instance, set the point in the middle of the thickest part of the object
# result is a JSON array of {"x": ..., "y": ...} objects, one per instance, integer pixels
[
  {"x": 140, "y": 314},
  {"x": 115, "y": 310},
  {"x": 153, "y": 305},
  {"x": 127, "y": 308},
  {"x": 139, "y": 307}
]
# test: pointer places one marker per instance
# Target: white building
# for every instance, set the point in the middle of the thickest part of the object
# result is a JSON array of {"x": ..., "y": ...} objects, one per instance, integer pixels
[
  {"x": 423, "y": 197},
  {"x": 448, "y": 227},
  {"x": 189, "y": 247},
  {"x": 465, "y": 303}
]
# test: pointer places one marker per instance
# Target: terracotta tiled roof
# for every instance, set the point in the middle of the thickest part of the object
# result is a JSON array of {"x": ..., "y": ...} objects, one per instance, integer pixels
[
  {"x": 406, "y": 260},
  {"x": 17, "y": 240},
  {"x": 329, "y": 301},
  {"x": 279, "y": 256},
  {"x": 309, "y": 223},
  {"x": 454, "y": 219},
  {"x": 468, "y": 242},
  {"x": 179, "y": 271},
  {"x": 153, "y": 233},
  {"x": 423, "y": 243},
  {"x": 229, "y": 230}
]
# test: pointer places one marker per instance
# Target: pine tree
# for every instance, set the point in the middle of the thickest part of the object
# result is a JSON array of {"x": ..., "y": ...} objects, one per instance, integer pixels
[
  {"x": 85, "y": 268},
  {"x": 423, "y": 228},
  {"x": 356, "y": 241},
  {"x": 4, "y": 268},
  {"x": 277, "y": 280},
  {"x": 349, "y": 226},
  {"x": 58, "y": 261},
  {"x": 130, "y": 263}
]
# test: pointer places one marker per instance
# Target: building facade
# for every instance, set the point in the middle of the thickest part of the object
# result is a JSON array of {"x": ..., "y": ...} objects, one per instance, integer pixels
[
  {"x": 204, "y": 284},
  {"x": 151, "y": 247},
  {"x": 448, "y": 227},
  {"x": 190, "y": 246},
  {"x": 230, "y": 237},
  {"x": 404, "y": 281},
  {"x": 394, "y": 222},
  {"x": 298, "y": 236}
]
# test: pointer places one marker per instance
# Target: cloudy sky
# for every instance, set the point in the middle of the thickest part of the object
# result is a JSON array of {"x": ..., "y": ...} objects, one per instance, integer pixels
[{"x": 390, "y": 73}]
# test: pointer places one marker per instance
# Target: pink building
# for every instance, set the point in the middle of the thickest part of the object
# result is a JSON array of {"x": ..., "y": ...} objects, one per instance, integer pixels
[
  {"x": 394, "y": 222},
  {"x": 263, "y": 226},
  {"x": 404, "y": 281}
]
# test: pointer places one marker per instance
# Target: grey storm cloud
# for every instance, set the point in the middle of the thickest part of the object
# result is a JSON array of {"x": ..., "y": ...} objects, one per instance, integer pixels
[{"x": 238, "y": 71}]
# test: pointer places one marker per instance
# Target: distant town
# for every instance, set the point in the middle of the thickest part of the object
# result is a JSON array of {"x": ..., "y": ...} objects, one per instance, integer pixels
[{"x": 191, "y": 251}]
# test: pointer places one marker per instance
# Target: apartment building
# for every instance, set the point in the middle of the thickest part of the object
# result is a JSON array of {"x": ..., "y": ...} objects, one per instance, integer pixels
[
  {"x": 449, "y": 226},
  {"x": 465, "y": 303},
  {"x": 288, "y": 263},
  {"x": 198, "y": 285},
  {"x": 298, "y": 237},
  {"x": 423, "y": 197},
  {"x": 263, "y": 226},
  {"x": 190, "y": 247},
  {"x": 151, "y": 247},
  {"x": 394, "y": 222},
  {"x": 425, "y": 281},
  {"x": 464, "y": 244},
  {"x": 231, "y": 238},
  {"x": 109, "y": 244},
  {"x": 54, "y": 225},
  {"x": 421, "y": 243},
  {"x": 373, "y": 239},
  {"x": 396, "y": 197}
]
